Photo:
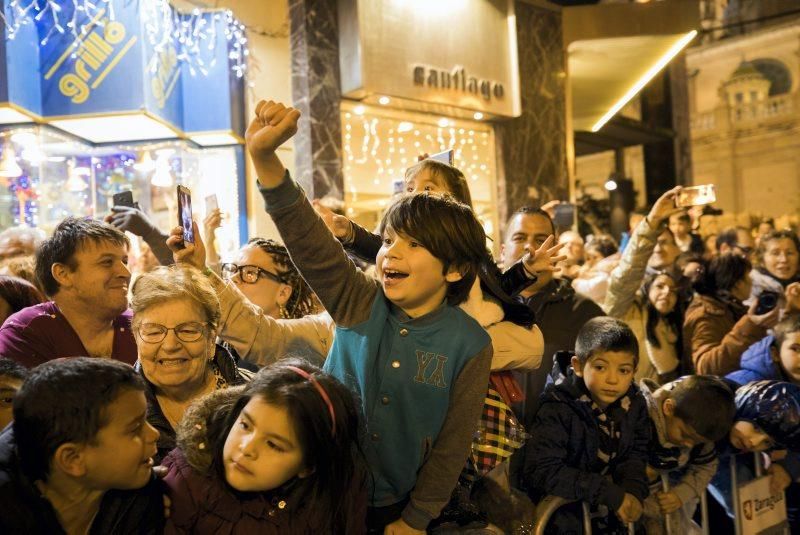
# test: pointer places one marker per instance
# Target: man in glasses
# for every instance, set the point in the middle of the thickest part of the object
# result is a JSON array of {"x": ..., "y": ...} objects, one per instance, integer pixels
[
  {"x": 736, "y": 240},
  {"x": 83, "y": 269}
]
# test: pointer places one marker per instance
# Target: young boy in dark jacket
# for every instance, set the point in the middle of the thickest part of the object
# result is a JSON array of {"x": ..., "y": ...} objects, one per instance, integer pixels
[
  {"x": 78, "y": 457},
  {"x": 687, "y": 417},
  {"x": 591, "y": 432}
]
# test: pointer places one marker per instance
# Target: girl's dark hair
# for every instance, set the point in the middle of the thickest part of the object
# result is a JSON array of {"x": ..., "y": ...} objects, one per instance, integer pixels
[
  {"x": 453, "y": 179},
  {"x": 332, "y": 498},
  {"x": 302, "y": 301},
  {"x": 448, "y": 229},
  {"x": 19, "y": 293},
  {"x": 674, "y": 318},
  {"x": 723, "y": 272}
]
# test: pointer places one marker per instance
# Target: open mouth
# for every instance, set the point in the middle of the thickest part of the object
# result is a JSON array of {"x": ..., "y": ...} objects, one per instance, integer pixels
[{"x": 394, "y": 275}]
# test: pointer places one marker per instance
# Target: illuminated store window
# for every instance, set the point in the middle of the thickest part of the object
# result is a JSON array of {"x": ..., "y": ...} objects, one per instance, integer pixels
[
  {"x": 381, "y": 143},
  {"x": 46, "y": 176}
]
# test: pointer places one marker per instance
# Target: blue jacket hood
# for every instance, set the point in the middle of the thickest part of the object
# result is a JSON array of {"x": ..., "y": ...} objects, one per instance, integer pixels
[{"x": 756, "y": 364}]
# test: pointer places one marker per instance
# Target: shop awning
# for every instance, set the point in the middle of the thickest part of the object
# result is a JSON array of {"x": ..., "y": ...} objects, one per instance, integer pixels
[
  {"x": 618, "y": 133},
  {"x": 614, "y": 50}
]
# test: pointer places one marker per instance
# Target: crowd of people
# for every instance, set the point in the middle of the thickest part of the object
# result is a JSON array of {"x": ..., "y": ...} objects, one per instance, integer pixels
[{"x": 394, "y": 382}]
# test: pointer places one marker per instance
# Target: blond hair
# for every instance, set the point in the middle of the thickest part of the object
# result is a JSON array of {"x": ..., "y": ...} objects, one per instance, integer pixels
[{"x": 165, "y": 284}]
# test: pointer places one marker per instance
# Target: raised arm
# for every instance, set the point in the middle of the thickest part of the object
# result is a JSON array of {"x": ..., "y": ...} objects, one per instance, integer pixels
[
  {"x": 626, "y": 278},
  {"x": 343, "y": 289}
]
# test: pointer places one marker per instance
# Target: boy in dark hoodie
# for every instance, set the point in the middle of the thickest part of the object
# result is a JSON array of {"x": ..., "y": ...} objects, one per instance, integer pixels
[
  {"x": 687, "y": 416},
  {"x": 591, "y": 432},
  {"x": 78, "y": 457}
]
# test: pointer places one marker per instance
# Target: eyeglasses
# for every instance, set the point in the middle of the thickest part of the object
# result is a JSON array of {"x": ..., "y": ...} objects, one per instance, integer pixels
[
  {"x": 249, "y": 274},
  {"x": 153, "y": 333}
]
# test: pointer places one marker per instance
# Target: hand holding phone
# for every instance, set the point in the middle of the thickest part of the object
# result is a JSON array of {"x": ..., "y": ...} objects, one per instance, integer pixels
[
  {"x": 211, "y": 203},
  {"x": 185, "y": 213},
  {"x": 696, "y": 196},
  {"x": 123, "y": 198}
]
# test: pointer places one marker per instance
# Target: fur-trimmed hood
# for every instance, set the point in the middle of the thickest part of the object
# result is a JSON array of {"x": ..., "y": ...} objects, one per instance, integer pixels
[{"x": 192, "y": 432}]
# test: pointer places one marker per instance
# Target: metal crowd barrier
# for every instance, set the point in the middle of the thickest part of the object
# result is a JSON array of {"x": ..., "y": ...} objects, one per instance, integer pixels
[{"x": 550, "y": 504}]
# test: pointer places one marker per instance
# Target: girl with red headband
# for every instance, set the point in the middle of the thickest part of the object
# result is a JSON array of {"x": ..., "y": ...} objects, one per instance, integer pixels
[{"x": 279, "y": 455}]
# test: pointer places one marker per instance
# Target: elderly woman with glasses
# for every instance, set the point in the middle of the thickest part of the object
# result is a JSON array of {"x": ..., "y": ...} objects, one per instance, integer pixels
[{"x": 175, "y": 318}]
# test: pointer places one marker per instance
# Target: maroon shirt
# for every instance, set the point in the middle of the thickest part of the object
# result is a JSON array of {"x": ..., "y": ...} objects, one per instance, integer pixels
[{"x": 40, "y": 333}]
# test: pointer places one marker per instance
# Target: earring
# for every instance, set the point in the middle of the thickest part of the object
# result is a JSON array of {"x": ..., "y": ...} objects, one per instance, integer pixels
[{"x": 283, "y": 312}]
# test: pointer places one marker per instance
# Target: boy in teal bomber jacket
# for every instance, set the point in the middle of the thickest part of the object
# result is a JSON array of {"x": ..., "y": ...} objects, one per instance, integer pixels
[{"x": 419, "y": 363}]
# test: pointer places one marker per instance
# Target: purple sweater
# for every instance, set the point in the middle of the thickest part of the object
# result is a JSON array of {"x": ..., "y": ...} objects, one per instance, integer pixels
[{"x": 40, "y": 333}]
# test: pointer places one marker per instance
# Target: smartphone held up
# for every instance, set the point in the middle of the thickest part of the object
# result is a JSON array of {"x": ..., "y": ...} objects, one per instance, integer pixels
[
  {"x": 696, "y": 196},
  {"x": 185, "y": 213}
]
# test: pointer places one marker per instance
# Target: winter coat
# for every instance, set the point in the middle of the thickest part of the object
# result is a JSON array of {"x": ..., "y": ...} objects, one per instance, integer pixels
[
  {"x": 232, "y": 375},
  {"x": 716, "y": 336},
  {"x": 757, "y": 364},
  {"x": 202, "y": 502},
  {"x": 562, "y": 454},
  {"x": 560, "y": 313},
  {"x": 25, "y": 510}
]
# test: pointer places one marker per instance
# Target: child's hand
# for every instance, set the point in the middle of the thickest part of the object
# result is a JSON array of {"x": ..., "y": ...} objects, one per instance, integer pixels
[
  {"x": 337, "y": 224},
  {"x": 399, "y": 527},
  {"x": 192, "y": 254},
  {"x": 668, "y": 502},
  {"x": 273, "y": 125},
  {"x": 544, "y": 258},
  {"x": 780, "y": 478},
  {"x": 630, "y": 510}
]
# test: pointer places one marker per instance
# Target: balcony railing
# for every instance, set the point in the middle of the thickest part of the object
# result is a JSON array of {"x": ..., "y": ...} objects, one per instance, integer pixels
[{"x": 743, "y": 115}]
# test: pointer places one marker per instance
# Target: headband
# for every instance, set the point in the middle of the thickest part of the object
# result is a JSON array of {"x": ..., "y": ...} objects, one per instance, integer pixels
[{"x": 322, "y": 393}]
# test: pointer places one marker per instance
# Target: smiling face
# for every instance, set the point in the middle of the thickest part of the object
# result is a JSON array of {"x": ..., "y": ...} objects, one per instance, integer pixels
[
  {"x": 120, "y": 456},
  {"x": 412, "y": 278},
  {"x": 664, "y": 253},
  {"x": 100, "y": 279},
  {"x": 173, "y": 363},
  {"x": 747, "y": 436},
  {"x": 662, "y": 294},
  {"x": 262, "y": 451},
  {"x": 789, "y": 356},
  {"x": 781, "y": 258},
  {"x": 266, "y": 293},
  {"x": 608, "y": 375}
]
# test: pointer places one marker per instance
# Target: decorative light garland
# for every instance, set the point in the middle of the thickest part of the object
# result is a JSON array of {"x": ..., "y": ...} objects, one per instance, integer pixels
[{"x": 163, "y": 25}]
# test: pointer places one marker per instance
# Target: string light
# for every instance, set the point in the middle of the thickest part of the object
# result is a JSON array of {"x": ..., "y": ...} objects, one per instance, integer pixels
[{"x": 189, "y": 33}]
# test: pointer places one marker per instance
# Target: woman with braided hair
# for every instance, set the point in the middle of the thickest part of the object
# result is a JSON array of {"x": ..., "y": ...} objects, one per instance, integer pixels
[
  {"x": 264, "y": 273},
  {"x": 268, "y": 310}
]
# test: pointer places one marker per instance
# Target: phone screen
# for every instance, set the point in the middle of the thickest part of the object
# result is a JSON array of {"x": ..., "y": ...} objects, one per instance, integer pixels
[
  {"x": 123, "y": 198},
  {"x": 185, "y": 213},
  {"x": 697, "y": 195},
  {"x": 444, "y": 157}
]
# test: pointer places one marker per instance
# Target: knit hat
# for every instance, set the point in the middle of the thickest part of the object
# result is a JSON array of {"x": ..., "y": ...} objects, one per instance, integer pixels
[{"x": 774, "y": 406}]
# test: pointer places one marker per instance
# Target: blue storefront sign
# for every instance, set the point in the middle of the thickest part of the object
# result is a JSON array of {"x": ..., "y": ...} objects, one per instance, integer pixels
[{"x": 117, "y": 66}]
